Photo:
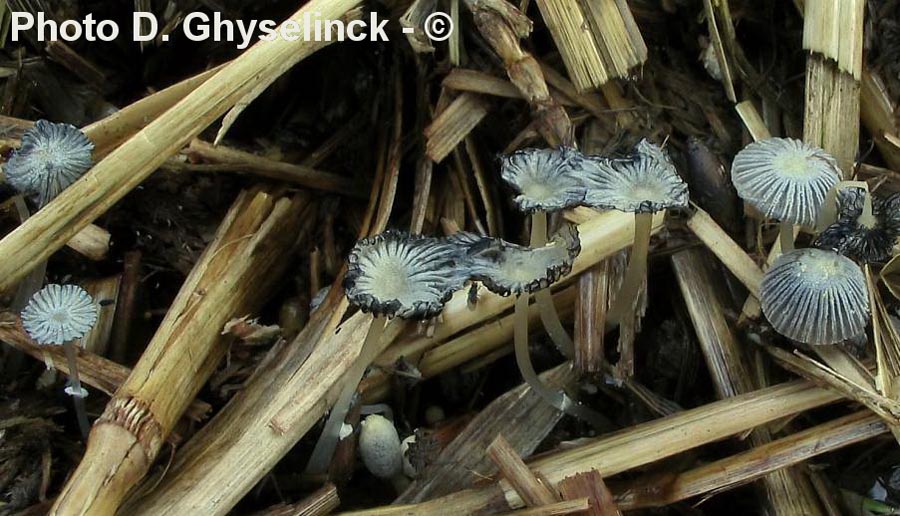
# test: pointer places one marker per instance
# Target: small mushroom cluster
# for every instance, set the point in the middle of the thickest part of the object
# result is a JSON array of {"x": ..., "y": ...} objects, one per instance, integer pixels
[{"x": 817, "y": 295}]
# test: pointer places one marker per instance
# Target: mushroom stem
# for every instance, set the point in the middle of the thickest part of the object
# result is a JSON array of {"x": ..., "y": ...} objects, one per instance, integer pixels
[
  {"x": 624, "y": 302},
  {"x": 75, "y": 390},
  {"x": 556, "y": 398},
  {"x": 544, "y": 299},
  {"x": 786, "y": 236},
  {"x": 320, "y": 460}
]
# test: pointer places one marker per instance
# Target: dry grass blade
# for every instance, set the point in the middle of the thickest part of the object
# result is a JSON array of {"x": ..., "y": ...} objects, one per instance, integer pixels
[
  {"x": 454, "y": 124},
  {"x": 577, "y": 506},
  {"x": 514, "y": 470},
  {"x": 726, "y": 250}
]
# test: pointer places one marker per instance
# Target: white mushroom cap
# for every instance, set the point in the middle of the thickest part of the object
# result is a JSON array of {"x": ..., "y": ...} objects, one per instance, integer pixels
[
  {"x": 379, "y": 446},
  {"x": 645, "y": 183},
  {"x": 785, "y": 179},
  {"x": 546, "y": 179},
  {"x": 506, "y": 268},
  {"x": 398, "y": 274},
  {"x": 815, "y": 297},
  {"x": 52, "y": 157},
  {"x": 58, "y": 314}
]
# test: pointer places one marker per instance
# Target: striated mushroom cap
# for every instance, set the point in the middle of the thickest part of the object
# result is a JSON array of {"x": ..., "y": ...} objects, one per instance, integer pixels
[
  {"x": 52, "y": 157},
  {"x": 815, "y": 297},
  {"x": 785, "y": 179},
  {"x": 398, "y": 274},
  {"x": 58, "y": 314},
  {"x": 506, "y": 268},
  {"x": 545, "y": 179},
  {"x": 645, "y": 183},
  {"x": 861, "y": 240}
]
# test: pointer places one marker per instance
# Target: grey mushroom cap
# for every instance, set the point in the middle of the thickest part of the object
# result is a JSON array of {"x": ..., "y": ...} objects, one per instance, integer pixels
[
  {"x": 647, "y": 182},
  {"x": 854, "y": 239},
  {"x": 815, "y": 297},
  {"x": 403, "y": 275},
  {"x": 51, "y": 157},
  {"x": 506, "y": 268},
  {"x": 785, "y": 179},
  {"x": 58, "y": 314},
  {"x": 545, "y": 179}
]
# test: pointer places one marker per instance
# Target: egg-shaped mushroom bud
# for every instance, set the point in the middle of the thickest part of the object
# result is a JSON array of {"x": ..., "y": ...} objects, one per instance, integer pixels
[
  {"x": 785, "y": 179},
  {"x": 866, "y": 229},
  {"x": 379, "y": 447},
  {"x": 391, "y": 274},
  {"x": 56, "y": 316},
  {"x": 545, "y": 179},
  {"x": 506, "y": 268},
  {"x": 52, "y": 157},
  {"x": 815, "y": 297},
  {"x": 644, "y": 184}
]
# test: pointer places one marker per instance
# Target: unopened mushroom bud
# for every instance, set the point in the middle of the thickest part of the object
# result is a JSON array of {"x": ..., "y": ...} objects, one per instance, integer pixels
[{"x": 379, "y": 446}]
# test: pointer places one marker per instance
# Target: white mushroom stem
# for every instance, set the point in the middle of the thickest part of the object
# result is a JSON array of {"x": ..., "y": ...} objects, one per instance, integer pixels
[
  {"x": 544, "y": 299},
  {"x": 320, "y": 459},
  {"x": 786, "y": 236},
  {"x": 76, "y": 390},
  {"x": 556, "y": 398},
  {"x": 624, "y": 302}
]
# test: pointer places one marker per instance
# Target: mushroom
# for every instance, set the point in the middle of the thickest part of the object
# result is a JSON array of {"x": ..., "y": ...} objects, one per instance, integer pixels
[
  {"x": 815, "y": 296},
  {"x": 546, "y": 180},
  {"x": 644, "y": 184},
  {"x": 380, "y": 449},
  {"x": 505, "y": 268},
  {"x": 394, "y": 274},
  {"x": 52, "y": 157},
  {"x": 56, "y": 316},
  {"x": 785, "y": 179},
  {"x": 866, "y": 228}
]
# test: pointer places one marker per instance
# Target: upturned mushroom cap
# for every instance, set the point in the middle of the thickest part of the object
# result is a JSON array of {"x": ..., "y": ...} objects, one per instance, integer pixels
[
  {"x": 398, "y": 274},
  {"x": 647, "y": 182},
  {"x": 545, "y": 179},
  {"x": 785, "y": 179},
  {"x": 815, "y": 297},
  {"x": 860, "y": 241},
  {"x": 506, "y": 268},
  {"x": 52, "y": 157},
  {"x": 58, "y": 314}
]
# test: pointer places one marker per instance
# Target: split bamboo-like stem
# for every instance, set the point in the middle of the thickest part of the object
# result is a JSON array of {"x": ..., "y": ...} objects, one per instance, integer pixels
[
  {"x": 643, "y": 444},
  {"x": 103, "y": 289},
  {"x": 752, "y": 120},
  {"x": 91, "y": 242},
  {"x": 102, "y": 374},
  {"x": 253, "y": 245},
  {"x": 125, "y": 167},
  {"x": 590, "y": 317},
  {"x": 532, "y": 491}
]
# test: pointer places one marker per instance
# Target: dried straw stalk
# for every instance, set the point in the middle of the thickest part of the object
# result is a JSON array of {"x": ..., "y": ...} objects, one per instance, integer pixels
[
  {"x": 833, "y": 33},
  {"x": 877, "y": 108},
  {"x": 125, "y": 167},
  {"x": 261, "y": 423},
  {"x": 454, "y": 124},
  {"x": 502, "y": 25},
  {"x": 529, "y": 488},
  {"x": 739, "y": 469},
  {"x": 577, "y": 506},
  {"x": 252, "y": 246},
  {"x": 641, "y": 444},
  {"x": 591, "y": 485}
]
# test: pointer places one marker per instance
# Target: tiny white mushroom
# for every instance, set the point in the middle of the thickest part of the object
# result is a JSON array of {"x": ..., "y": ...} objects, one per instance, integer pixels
[
  {"x": 545, "y": 179},
  {"x": 379, "y": 447},
  {"x": 51, "y": 157}
]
